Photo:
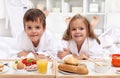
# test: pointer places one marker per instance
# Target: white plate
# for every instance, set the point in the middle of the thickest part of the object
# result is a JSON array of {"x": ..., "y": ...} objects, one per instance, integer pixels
[
  {"x": 6, "y": 68},
  {"x": 66, "y": 73}
]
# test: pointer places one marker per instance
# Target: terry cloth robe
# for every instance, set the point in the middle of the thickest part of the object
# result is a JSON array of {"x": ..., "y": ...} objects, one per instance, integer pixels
[
  {"x": 89, "y": 47},
  {"x": 47, "y": 45}
]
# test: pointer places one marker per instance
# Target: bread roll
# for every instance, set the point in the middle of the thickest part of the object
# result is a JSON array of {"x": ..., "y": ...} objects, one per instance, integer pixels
[
  {"x": 1, "y": 67},
  {"x": 20, "y": 65},
  {"x": 81, "y": 69},
  {"x": 71, "y": 60}
]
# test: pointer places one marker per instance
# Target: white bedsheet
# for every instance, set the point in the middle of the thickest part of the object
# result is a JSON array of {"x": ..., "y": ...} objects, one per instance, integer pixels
[
  {"x": 6, "y": 47},
  {"x": 110, "y": 40}
]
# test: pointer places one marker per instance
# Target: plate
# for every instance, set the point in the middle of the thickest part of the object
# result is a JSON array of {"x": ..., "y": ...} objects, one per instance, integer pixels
[
  {"x": 6, "y": 68},
  {"x": 66, "y": 73},
  {"x": 49, "y": 65},
  {"x": 118, "y": 71}
]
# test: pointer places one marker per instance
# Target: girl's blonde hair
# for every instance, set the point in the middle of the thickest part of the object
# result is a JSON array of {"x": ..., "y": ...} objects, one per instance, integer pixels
[{"x": 90, "y": 33}]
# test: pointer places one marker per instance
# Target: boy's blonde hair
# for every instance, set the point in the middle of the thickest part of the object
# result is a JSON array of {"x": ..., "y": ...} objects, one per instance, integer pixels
[
  {"x": 90, "y": 33},
  {"x": 34, "y": 15}
]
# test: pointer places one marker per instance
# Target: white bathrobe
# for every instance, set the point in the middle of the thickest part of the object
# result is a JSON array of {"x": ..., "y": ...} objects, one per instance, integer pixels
[
  {"x": 89, "y": 47},
  {"x": 47, "y": 45}
]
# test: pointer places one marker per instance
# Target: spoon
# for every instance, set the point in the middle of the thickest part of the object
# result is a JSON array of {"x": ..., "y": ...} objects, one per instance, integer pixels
[
  {"x": 92, "y": 61},
  {"x": 6, "y": 64}
]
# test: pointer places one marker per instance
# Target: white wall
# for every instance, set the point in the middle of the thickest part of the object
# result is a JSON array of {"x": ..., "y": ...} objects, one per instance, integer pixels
[
  {"x": 113, "y": 14},
  {"x": 113, "y": 19},
  {"x": 56, "y": 23},
  {"x": 3, "y": 30}
]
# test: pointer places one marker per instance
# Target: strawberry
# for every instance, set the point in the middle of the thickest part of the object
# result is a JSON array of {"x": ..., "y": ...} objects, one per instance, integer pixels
[
  {"x": 28, "y": 61},
  {"x": 34, "y": 62},
  {"x": 28, "y": 64},
  {"x": 24, "y": 61}
]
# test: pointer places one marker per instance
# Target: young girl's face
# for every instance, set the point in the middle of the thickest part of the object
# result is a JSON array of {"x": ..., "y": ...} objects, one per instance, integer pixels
[
  {"x": 34, "y": 30},
  {"x": 78, "y": 30}
]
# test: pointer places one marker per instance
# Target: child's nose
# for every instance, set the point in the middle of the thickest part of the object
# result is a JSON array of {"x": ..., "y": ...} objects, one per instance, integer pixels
[
  {"x": 77, "y": 30},
  {"x": 33, "y": 30}
]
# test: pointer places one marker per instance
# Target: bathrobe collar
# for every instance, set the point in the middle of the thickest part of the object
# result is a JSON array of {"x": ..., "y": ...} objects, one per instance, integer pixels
[{"x": 73, "y": 47}]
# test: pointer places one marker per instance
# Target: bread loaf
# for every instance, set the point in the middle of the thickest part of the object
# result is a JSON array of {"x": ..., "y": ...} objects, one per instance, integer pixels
[
  {"x": 81, "y": 69},
  {"x": 71, "y": 60}
]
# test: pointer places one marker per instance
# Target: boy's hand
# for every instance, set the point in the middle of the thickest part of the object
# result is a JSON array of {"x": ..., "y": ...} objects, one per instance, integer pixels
[
  {"x": 41, "y": 56},
  {"x": 23, "y": 53}
]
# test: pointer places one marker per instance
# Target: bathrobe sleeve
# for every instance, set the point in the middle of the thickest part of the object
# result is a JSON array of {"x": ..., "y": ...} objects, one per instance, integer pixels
[
  {"x": 48, "y": 45},
  {"x": 21, "y": 43},
  {"x": 95, "y": 50}
]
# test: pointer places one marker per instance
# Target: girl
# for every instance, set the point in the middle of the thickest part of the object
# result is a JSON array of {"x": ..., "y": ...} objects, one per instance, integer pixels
[
  {"x": 82, "y": 43},
  {"x": 35, "y": 40}
]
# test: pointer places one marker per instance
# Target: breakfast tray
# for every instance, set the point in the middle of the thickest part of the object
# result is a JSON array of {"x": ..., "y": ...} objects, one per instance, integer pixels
[
  {"x": 10, "y": 72},
  {"x": 111, "y": 73}
]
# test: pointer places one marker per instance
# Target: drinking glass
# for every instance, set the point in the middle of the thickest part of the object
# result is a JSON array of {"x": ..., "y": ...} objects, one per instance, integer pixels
[{"x": 42, "y": 66}]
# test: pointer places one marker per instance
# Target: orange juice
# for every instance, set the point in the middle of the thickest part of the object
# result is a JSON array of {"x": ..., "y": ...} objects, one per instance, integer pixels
[{"x": 42, "y": 66}]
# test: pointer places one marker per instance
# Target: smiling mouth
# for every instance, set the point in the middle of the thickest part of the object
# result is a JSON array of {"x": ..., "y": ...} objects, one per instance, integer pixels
[
  {"x": 33, "y": 36},
  {"x": 78, "y": 36}
]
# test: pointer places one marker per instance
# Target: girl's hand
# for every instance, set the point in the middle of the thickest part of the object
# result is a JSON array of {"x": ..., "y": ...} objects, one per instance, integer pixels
[
  {"x": 81, "y": 56},
  {"x": 63, "y": 53},
  {"x": 23, "y": 53}
]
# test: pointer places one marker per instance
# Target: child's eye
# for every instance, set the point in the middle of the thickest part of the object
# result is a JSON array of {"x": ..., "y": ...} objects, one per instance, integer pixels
[
  {"x": 73, "y": 29},
  {"x": 38, "y": 27},
  {"x": 29, "y": 28},
  {"x": 81, "y": 28}
]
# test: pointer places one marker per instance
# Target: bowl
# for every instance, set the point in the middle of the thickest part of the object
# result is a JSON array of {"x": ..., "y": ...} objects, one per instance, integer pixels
[
  {"x": 116, "y": 60},
  {"x": 101, "y": 67}
]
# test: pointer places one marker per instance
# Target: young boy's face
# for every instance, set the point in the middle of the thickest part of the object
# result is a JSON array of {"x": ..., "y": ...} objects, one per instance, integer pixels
[{"x": 34, "y": 30}]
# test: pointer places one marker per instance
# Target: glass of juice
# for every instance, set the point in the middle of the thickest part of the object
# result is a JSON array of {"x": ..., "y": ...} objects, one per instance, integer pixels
[{"x": 42, "y": 66}]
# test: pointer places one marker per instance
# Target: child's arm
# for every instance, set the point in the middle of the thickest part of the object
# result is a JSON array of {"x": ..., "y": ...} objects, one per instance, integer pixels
[
  {"x": 23, "y": 53},
  {"x": 63, "y": 53},
  {"x": 42, "y": 56},
  {"x": 81, "y": 56}
]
